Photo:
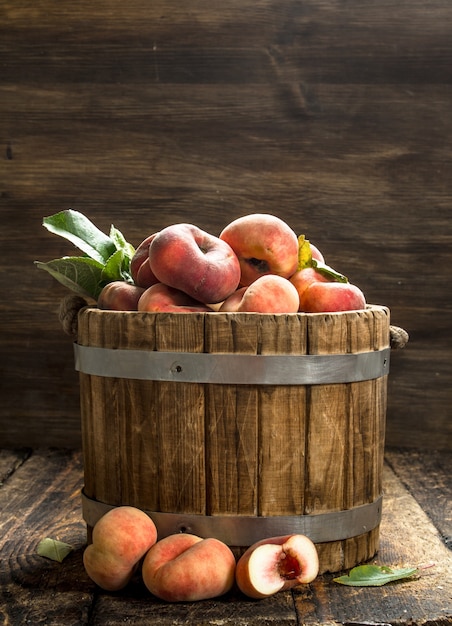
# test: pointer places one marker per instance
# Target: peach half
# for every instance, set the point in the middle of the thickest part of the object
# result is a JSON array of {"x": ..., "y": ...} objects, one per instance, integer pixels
[{"x": 277, "y": 564}]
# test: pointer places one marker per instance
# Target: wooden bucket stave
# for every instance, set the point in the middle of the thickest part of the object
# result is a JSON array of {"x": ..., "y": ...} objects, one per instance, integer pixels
[{"x": 237, "y": 452}]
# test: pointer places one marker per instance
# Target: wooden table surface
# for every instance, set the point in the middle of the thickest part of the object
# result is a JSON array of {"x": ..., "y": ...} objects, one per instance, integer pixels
[{"x": 40, "y": 497}]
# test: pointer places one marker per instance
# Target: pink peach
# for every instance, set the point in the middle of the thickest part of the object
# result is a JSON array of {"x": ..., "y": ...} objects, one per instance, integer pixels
[
  {"x": 187, "y": 258},
  {"x": 323, "y": 297},
  {"x": 305, "y": 277},
  {"x": 270, "y": 294},
  {"x": 161, "y": 298},
  {"x": 264, "y": 244},
  {"x": 140, "y": 268},
  {"x": 231, "y": 304},
  {"x": 119, "y": 296},
  {"x": 184, "y": 568},
  {"x": 120, "y": 540},
  {"x": 316, "y": 254}
]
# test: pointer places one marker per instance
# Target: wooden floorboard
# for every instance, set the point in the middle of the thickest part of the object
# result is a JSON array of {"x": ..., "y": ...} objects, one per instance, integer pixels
[
  {"x": 10, "y": 460},
  {"x": 427, "y": 476},
  {"x": 40, "y": 497}
]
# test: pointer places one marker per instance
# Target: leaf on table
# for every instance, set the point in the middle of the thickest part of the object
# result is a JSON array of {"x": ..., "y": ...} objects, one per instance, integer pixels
[
  {"x": 54, "y": 549},
  {"x": 80, "y": 274},
  {"x": 374, "y": 575},
  {"x": 80, "y": 231}
]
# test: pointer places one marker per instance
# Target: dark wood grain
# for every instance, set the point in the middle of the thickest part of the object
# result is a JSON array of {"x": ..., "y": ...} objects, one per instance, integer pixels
[
  {"x": 428, "y": 478},
  {"x": 336, "y": 117},
  {"x": 40, "y": 497},
  {"x": 10, "y": 460}
]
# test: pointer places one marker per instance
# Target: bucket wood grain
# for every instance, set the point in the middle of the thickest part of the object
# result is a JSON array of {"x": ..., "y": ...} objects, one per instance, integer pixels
[{"x": 238, "y": 451}]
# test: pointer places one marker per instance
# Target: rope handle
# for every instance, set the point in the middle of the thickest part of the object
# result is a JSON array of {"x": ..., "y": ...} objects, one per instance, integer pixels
[
  {"x": 398, "y": 337},
  {"x": 68, "y": 314}
]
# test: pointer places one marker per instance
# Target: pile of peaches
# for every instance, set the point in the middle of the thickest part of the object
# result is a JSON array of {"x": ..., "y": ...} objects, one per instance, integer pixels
[
  {"x": 184, "y": 567},
  {"x": 256, "y": 264}
]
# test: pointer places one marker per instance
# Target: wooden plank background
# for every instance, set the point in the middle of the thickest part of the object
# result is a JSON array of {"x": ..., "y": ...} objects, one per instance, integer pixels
[{"x": 335, "y": 116}]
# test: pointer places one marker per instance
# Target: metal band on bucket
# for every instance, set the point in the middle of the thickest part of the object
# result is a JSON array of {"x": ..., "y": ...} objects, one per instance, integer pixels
[
  {"x": 232, "y": 369},
  {"x": 243, "y": 530}
]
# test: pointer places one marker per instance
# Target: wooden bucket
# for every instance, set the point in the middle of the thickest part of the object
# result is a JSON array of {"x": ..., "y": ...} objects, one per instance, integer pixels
[{"x": 238, "y": 426}]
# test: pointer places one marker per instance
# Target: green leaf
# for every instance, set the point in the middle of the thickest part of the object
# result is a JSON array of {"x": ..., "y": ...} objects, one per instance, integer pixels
[
  {"x": 329, "y": 272},
  {"x": 305, "y": 260},
  {"x": 54, "y": 549},
  {"x": 116, "y": 268},
  {"x": 374, "y": 575},
  {"x": 80, "y": 231},
  {"x": 304, "y": 253},
  {"x": 121, "y": 243},
  {"x": 80, "y": 274}
]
